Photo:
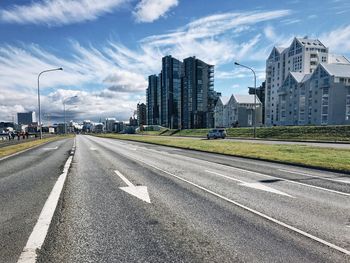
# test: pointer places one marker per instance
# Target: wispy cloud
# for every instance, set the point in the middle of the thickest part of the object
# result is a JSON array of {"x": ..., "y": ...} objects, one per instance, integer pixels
[
  {"x": 110, "y": 79},
  {"x": 151, "y": 10},
  {"x": 59, "y": 12},
  {"x": 213, "y": 37},
  {"x": 338, "y": 40}
]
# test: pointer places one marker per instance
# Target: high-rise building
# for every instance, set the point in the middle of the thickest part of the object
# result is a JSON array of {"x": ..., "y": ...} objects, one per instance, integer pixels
[
  {"x": 110, "y": 124},
  {"x": 141, "y": 114},
  {"x": 26, "y": 118},
  {"x": 199, "y": 98},
  {"x": 303, "y": 56},
  {"x": 171, "y": 92},
  {"x": 153, "y": 100}
]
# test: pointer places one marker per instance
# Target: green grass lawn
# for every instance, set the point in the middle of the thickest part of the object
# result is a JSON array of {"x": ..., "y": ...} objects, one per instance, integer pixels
[
  {"x": 11, "y": 149},
  {"x": 329, "y": 158},
  {"x": 312, "y": 133}
]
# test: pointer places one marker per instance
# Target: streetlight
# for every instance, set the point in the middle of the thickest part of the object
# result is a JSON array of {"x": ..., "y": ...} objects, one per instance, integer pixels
[
  {"x": 49, "y": 70},
  {"x": 254, "y": 116},
  {"x": 64, "y": 111}
]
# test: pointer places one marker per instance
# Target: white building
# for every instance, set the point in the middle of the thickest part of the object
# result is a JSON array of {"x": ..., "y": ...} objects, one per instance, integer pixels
[
  {"x": 238, "y": 111},
  {"x": 320, "y": 98},
  {"x": 303, "y": 56}
]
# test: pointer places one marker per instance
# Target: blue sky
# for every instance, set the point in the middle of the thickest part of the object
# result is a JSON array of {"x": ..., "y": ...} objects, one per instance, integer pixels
[{"x": 108, "y": 47}]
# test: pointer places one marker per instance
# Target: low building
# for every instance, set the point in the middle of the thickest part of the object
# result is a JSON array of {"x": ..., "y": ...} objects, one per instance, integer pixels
[
  {"x": 238, "y": 112},
  {"x": 320, "y": 98},
  {"x": 133, "y": 122},
  {"x": 98, "y": 128},
  {"x": 87, "y": 126},
  {"x": 119, "y": 126}
]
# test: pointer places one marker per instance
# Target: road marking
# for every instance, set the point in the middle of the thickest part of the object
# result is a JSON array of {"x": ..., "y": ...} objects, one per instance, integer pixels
[
  {"x": 287, "y": 180},
  {"x": 315, "y": 176},
  {"x": 301, "y": 232},
  {"x": 93, "y": 149},
  {"x": 258, "y": 186},
  {"x": 50, "y": 148},
  {"x": 251, "y": 172},
  {"x": 137, "y": 191},
  {"x": 38, "y": 235}
]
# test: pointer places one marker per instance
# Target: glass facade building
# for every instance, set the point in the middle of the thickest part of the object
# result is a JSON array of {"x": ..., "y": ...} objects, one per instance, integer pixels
[{"x": 182, "y": 96}]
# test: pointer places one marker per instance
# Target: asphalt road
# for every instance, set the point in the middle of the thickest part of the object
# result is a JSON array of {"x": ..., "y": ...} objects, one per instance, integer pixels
[
  {"x": 25, "y": 183},
  {"x": 201, "y": 208}
]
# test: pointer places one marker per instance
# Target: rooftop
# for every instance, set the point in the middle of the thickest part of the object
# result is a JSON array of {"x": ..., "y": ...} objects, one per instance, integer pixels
[
  {"x": 310, "y": 42},
  {"x": 337, "y": 70},
  {"x": 246, "y": 99}
]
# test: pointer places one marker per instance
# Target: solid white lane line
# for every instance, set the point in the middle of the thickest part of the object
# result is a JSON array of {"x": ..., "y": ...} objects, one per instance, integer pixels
[
  {"x": 225, "y": 176},
  {"x": 322, "y": 241},
  {"x": 38, "y": 235},
  {"x": 315, "y": 176},
  {"x": 254, "y": 185},
  {"x": 255, "y": 173}
]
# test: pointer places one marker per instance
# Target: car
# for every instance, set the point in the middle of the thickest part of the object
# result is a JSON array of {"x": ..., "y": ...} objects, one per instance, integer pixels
[{"x": 216, "y": 133}]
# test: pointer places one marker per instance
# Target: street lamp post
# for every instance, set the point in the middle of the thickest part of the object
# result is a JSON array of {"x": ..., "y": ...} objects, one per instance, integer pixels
[
  {"x": 254, "y": 115},
  {"x": 64, "y": 112},
  {"x": 49, "y": 70}
]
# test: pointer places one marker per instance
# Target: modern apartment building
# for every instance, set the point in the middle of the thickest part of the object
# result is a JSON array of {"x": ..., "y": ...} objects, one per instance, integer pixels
[
  {"x": 320, "y": 98},
  {"x": 199, "y": 97},
  {"x": 238, "y": 111},
  {"x": 303, "y": 56},
  {"x": 26, "y": 118},
  {"x": 182, "y": 96},
  {"x": 141, "y": 114},
  {"x": 109, "y": 124},
  {"x": 153, "y": 100},
  {"x": 171, "y": 95}
]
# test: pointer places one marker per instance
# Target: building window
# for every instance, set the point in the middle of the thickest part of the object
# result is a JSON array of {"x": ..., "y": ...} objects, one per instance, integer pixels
[
  {"x": 325, "y": 101},
  {"x": 347, "y": 107}
]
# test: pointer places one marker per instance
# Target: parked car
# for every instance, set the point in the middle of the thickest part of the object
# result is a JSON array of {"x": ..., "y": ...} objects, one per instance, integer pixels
[{"x": 216, "y": 133}]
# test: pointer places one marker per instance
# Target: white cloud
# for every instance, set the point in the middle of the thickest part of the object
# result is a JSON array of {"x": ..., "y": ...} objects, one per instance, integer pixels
[
  {"x": 213, "y": 38},
  {"x": 239, "y": 73},
  {"x": 151, "y": 10},
  {"x": 338, "y": 40},
  {"x": 270, "y": 33},
  {"x": 110, "y": 80},
  {"x": 59, "y": 12}
]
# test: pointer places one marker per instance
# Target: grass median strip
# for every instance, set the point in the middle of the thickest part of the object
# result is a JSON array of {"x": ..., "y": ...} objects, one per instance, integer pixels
[
  {"x": 11, "y": 149},
  {"x": 328, "y": 158}
]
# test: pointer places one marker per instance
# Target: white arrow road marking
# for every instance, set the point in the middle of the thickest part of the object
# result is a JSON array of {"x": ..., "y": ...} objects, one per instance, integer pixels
[
  {"x": 50, "y": 148},
  {"x": 276, "y": 221},
  {"x": 137, "y": 191},
  {"x": 93, "y": 149},
  {"x": 258, "y": 186}
]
